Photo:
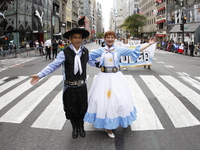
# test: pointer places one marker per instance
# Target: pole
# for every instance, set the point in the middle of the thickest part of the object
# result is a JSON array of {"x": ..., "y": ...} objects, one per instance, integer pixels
[{"x": 182, "y": 18}]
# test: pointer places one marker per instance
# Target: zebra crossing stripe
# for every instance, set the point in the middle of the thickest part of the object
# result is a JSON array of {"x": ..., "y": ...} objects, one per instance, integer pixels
[
  {"x": 146, "y": 116},
  {"x": 21, "y": 110},
  {"x": 191, "y": 95},
  {"x": 2, "y": 80},
  {"x": 191, "y": 81},
  {"x": 146, "y": 120},
  {"x": 11, "y": 83},
  {"x": 177, "y": 112},
  {"x": 53, "y": 116},
  {"x": 11, "y": 95},
  {"x": 198, "y": 78}
]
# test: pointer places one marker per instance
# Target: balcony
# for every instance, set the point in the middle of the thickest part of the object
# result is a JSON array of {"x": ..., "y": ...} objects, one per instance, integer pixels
[
  {"x": 159, "y": 17},
  {"x": 161, "y": 5}
]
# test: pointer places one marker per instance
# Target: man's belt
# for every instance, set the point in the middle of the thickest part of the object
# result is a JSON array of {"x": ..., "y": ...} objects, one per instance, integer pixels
[
  {"x": 109, "y": 69},
  {"x": 75, "y": 83}
]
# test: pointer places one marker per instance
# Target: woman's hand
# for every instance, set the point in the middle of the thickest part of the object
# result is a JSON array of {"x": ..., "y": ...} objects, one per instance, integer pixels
[{"x": 152, "y": 40}]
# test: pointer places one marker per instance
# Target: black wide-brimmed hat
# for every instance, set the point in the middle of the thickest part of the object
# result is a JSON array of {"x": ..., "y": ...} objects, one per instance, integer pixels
[{"x": 84, "y": 33}]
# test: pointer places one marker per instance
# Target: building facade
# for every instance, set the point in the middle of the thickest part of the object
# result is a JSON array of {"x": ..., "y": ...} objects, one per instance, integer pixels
[
  {"x": 148, "y": 9},
  {"x": 190, "y": 9},
  {"x": 161, "y": 23},
  {"x": 99, "y": 19},
  {"x": 25, "y": 20}
]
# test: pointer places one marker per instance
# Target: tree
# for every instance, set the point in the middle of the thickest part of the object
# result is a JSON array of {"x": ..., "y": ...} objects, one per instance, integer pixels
[
  {"x": 133, "y": 23},
  {"x": 100, "y": 35}
]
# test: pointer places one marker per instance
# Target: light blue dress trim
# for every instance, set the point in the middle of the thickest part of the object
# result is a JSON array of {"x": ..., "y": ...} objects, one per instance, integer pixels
[{"x": 108, "y": 123}]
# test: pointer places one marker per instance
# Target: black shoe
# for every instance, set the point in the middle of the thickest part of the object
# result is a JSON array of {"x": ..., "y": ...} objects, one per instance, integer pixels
[
  {"x": 75, "y": 133},
  {"x": 82, "y": 132},
  {"x": 74, "y": 128},
  {"x": 81, "y": 128}
]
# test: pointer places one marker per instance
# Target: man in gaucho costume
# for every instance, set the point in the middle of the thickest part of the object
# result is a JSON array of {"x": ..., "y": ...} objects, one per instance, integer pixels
[{"x": 74, "y": 61}]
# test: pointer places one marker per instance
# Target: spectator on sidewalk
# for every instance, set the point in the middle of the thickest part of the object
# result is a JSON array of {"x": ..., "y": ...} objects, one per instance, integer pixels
[
  {"x": 28, "y": 49},
  {"x": 42, "y": 49},
  {"x": 37, "y": 47},
  {"x": 196, "y": 47},
  {"x": 191, "y": 48},
  {"x": 186, "y": 48}
]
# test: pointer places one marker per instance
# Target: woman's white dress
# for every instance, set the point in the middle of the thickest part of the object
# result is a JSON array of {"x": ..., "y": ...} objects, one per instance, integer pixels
[{"x": 110, "y": 102}]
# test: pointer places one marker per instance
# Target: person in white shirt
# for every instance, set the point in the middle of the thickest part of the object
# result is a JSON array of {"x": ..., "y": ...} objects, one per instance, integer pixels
[
  {"x": 47, "y": 45},
  {"x": 36, "y": 47},
  {"x": 28, "y": 49}
]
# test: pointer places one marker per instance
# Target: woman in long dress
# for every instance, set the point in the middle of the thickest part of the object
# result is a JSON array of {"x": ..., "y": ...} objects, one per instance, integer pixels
[{"x": 110, "y": 103}]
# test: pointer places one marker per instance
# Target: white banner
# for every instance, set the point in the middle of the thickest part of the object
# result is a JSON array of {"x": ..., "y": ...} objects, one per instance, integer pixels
[{"x": 145, "y": 58}]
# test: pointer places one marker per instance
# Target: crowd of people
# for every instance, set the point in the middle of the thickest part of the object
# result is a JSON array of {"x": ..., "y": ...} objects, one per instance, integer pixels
[
  {"x": 185, "y": 48},
  {"x": 48, "y": 48}
]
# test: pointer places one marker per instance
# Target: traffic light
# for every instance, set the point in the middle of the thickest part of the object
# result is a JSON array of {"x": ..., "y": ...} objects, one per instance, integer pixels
[
  {"x": 184, "y": 19},
  {"x": 182, "y": 26},
  {"x": 5, "y": 38}
]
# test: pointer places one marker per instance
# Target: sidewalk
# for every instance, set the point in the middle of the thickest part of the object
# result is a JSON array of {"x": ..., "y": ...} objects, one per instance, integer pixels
[
  {"x": 21, "y": 58},
  {"x": 14, "y": 61}
]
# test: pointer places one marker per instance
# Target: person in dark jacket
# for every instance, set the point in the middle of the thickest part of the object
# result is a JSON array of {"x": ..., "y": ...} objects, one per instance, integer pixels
[
  {"x": 74, "y": 60},
  {"x": 191, "y": 47},
  {"x": 55, "y": 49}
]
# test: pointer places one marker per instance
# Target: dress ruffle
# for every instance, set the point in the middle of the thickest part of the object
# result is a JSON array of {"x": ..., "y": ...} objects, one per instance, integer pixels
[{"x": 110, "y": 123}]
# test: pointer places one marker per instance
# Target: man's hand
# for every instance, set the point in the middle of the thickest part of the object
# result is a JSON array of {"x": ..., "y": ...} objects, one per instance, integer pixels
[{"x": 35, "y": 79}]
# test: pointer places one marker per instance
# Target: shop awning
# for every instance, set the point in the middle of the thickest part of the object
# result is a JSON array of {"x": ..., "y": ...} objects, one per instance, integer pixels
[
  {"x": 158, "y": 1},
  {"x": 191, "y": 27},
  {"x": 161, "y": 8},
  {"x": 161, "y": 21},
  {"x": 160, "y": 35},
  {"x": 57, "y": 34}
]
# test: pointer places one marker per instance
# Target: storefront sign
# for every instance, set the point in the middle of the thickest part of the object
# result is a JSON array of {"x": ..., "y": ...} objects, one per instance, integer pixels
[{"x": 39, "y": 16}]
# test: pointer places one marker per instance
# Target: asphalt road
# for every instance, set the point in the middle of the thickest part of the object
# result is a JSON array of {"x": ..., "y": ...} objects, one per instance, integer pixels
[{"x": 166, "y": 97}]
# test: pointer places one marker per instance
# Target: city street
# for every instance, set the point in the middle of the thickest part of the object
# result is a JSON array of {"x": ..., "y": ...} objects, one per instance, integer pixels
[{"x": 167, "y": 99}]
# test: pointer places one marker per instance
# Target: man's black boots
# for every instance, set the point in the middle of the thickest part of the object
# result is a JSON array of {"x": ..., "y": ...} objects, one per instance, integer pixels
[
  {"x": 81, "y": 128},
  {"x": 75, "y": 129}
]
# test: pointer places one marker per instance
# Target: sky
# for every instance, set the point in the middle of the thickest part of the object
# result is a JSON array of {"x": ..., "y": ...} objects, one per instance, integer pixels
[{"x": 106, "y": 5}]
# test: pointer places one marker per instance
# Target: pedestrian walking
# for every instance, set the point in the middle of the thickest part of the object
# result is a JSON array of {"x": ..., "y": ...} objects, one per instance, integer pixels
[
  {"x": 74, "y": 60},
  {"x": 47, "y": 45},
  {"x": 110, "y": 102}
]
